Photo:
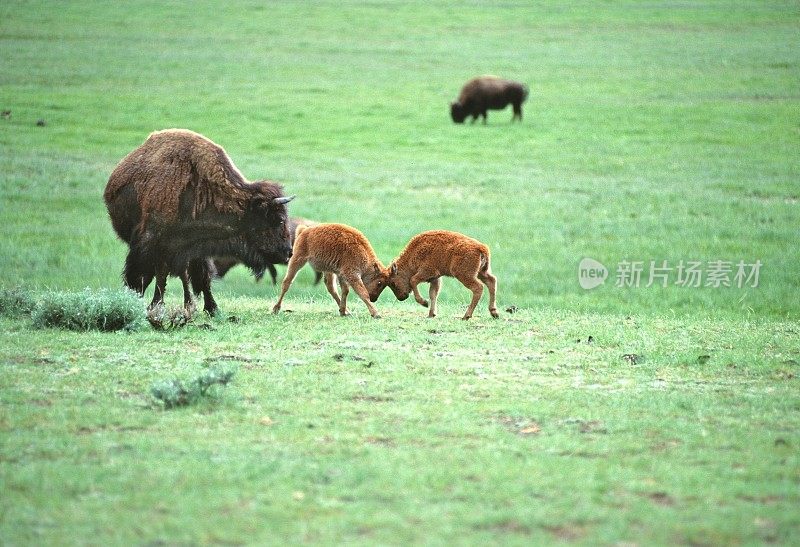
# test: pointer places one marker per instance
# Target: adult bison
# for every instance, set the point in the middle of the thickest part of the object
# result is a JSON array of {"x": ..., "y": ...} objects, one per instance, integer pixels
[
  {"x": 488, "y": 93},
  {"x": 178, "y": 200}
]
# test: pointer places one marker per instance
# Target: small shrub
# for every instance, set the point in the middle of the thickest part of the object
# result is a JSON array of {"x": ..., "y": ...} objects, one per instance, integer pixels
[
  {"x": 105, "y": 310},
  {"x": 16, "y": 302},
  {"x": 174, "y": 393}
]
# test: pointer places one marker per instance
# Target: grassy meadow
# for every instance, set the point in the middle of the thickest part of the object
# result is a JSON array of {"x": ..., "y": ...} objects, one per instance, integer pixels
[{"x": 654, "y": 131}]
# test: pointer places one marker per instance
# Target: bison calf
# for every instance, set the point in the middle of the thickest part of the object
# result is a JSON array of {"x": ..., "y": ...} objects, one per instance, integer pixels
[
  {"x": 488, "y": 93},
  {"x": 340, "y": 250},
  {"x": 430, "y": 255}
]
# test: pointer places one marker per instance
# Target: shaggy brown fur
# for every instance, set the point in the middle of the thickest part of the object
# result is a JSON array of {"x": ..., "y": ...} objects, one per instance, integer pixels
[
  {"x": 430, "y": 255},
  {"x": 224, "y": 263},
  {"x": 488, "y": 93},
  {"x": 178, "y": 200},
  {"x": 337, "y": 249}
]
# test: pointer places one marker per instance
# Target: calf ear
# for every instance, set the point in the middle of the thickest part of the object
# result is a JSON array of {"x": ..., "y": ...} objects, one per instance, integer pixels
[{"x": 393, "y": 268}]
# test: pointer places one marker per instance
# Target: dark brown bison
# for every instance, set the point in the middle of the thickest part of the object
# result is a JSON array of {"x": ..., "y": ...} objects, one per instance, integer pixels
[
  {"x": 178, "y": 200},
  {"x": 488, "y": 93},
  {"x": 224, "y": 263}
]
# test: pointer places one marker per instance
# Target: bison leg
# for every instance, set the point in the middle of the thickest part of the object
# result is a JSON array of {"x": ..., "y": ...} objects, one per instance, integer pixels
[
  {"x": 345, "y": 288},
  {"x": 297, "y": 261},
  {"x": 517, "y": 112},
  {"x": 188, "y": 299},
  {"x": 491, "y": 283},
  {"x": 161, "y": 286},
  {"x": 273, "y": 273},
  {"x": 363, "y": 294},
  {"x": 484, "y": 117},
  {"x": 467, "y": 272},
  {"x": 415, "y": 280},
  {"x": 433, "y": 293},
  {"x": 477, "y": 291},
  {"x": 331, "y": 289},
  {"x": 200, "y": 275}
]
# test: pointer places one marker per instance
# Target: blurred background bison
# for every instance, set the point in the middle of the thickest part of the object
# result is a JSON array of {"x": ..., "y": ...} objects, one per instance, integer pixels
[{"x": 488, "y": 93}]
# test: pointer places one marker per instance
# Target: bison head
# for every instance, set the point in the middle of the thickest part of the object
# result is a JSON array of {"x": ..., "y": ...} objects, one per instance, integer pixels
[
  {"x": 375, "y": 281},
  {"x": 458, "y": 113},
  {"x": 266, "y": 227},
  {"x": 401, "y": 286}
]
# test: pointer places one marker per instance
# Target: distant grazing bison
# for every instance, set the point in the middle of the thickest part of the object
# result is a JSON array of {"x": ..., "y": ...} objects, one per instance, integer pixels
[
  {"x": 224, "y": 263},
  {"x": 178, "y": 200},
  {"x": 488, "y": 93}
]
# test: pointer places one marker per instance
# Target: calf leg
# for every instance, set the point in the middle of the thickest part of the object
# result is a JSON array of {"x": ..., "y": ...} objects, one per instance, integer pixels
[
  {"x": 433, "y": 293},
  {"x": 363, "y": 293},
  {"x": 477, "y": 291},
  {"x": 415, "y": 280},
  {"x": 330, "y": 287},
  {"x": 295, "y": 263},
  {"x": 491, "y": 283},
  {"x": 345, "y": 288}
]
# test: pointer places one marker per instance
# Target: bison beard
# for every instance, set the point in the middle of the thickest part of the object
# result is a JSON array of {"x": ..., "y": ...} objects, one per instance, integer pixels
[{"x": 178, "y": 200}]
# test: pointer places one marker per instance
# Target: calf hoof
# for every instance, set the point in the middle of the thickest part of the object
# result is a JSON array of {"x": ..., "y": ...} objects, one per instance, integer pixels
[
  {"x": 344, "y": 313},
  {"x": 276, "y": 308},
  {"x": 431, "y": 315},
  {"x": 376, "y": 316},
  {"x": 466, "y": 317},
  {"x": 494, "y": 314}
]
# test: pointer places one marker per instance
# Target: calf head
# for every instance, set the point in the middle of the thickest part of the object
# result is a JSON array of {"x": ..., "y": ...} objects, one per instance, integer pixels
[
  {"x": 375, "y": 280},
  {"x": 458, "y": 112},
  {"x": 400, "y": 285}
]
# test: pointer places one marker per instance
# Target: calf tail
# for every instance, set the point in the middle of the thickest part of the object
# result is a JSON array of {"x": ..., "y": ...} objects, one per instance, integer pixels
[{"x": 485, "y": 267}]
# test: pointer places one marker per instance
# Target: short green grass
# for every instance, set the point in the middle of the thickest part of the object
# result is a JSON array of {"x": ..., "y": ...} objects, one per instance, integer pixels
[{"x": 654, "y": 131}]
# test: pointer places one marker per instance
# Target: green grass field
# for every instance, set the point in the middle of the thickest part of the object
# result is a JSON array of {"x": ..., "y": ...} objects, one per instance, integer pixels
[{"x": 654, "y": 131}]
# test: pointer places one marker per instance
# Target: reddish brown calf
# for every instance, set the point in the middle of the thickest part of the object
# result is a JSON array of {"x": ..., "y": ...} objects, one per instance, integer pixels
[
  {"x": 430, "y": 255},
  {"x": 337, "y": 249}
]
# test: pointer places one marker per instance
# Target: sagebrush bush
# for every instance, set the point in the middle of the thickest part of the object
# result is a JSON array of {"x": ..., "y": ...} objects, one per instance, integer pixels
[
  {"x": 173, "y": 393},
  {"x": 16, "y": 302},
  {"x": 104, "y": 309}
]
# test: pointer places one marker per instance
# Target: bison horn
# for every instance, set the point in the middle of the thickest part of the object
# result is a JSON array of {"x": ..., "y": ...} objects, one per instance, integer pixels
[{"x": 284, "y": 200}]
